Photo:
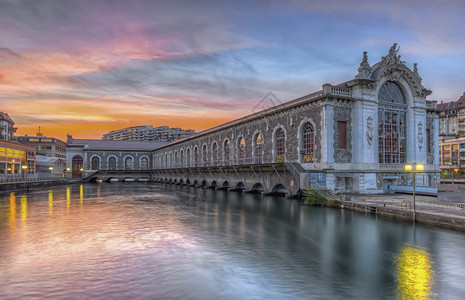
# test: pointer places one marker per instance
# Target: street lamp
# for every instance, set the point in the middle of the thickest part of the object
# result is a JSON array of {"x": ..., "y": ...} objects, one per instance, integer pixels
[
  {"x": 24, "y": 167},
  {"x": 414, "y": 169},
  {"x": 51, "y": 169},
  {"x": 451, "y": 172}
]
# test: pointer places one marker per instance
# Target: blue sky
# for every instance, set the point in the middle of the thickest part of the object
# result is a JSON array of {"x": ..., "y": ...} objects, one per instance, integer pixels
[{"x": 89, "y": 66}]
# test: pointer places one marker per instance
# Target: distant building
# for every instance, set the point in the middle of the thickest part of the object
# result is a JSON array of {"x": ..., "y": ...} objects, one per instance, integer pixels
[
  {"x": 452, "y": 117},
  {"x": 147, "y": 133},
  {"x": 7, "y": 128},
  {"x": 46, "y": 146},
  {"x": 16, "y": 158}
]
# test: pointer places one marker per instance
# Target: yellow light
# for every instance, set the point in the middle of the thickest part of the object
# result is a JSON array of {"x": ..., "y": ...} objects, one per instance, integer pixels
[
  {"x": 68, "y": 169},
  {"x": 24, "y": 167},
  {"x": 51, "y": 168},
  {"x": 408, "y": 167},
  {"x": 414, "y": 274},
  {"x": 419, "y": 167},
  {"x": 81, "y": 169}
]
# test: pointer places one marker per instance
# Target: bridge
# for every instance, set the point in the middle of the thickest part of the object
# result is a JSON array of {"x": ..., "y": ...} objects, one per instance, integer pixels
[{"x": 354, "y": 136}]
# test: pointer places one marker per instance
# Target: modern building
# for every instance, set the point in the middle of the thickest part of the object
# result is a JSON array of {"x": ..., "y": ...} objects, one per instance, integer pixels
[
  {"x": 148, "y": 133},
  {"x": 7, "y": 128},
  {"x": 46, "y": 146},
  {"x": 452, "y": 155},
  {"x": 16, "y": 158},
  {"x": 452, "y": 117}
]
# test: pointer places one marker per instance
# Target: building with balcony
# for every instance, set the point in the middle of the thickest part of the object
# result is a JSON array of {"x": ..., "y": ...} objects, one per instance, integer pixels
[
  {"x": 148, "y": 133},
  {"x": 452, "y": 117},
  {"x": 7, "y": 128}
]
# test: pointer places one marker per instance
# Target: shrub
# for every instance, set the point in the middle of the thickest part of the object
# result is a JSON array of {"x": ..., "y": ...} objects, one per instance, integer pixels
[{"x": 312, "y": 198}]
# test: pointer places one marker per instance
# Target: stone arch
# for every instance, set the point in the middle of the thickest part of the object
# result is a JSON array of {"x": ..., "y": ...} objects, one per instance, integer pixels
[
  {"x": 204, "y": 154},
  {"x": 128, "y": 162},
  {"x": 77, "y": 166},
  {"x": 214, "y": 151},
  {"x": 240, "y": 150},
  {"x": 301, "y": 149},
  {"x": 279, "y": 189},
  {"x": 258, "y": 187},
  {"x": 181, "y": 157},
  {"x": 95, "y": 162},
  {"x": 176, "y": 159},
  {"x": 279, "y": 150},
  {"x": 188, "y": 157},
  {"x": 214, "y": 184},
  {"x": 112, "y": 162},
  {"x": 240, "y": 186},
  {"x": 204, "y": 183},
  {"x": 144, "y": 162},
  {"x": 226, "y": 151},
  {"x": 258, "y": 150},
  {"x": 392, "y": 122},
  {"x": 226, "y": 184},
  {"x": 196, "y": 156}
]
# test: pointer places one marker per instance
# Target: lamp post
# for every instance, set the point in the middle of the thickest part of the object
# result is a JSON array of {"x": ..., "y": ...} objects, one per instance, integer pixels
[
  {"x": 414, "y": 169},
  {"x": 24, "y": 167}
]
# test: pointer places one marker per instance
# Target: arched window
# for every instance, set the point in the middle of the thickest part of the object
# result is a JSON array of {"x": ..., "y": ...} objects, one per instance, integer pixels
[
  {"x": 182, "y": 158},
  {"x": 214, "y": 154},
  {"x": 129, "y": 163},
  {"x": 196, "y": 156},
  {"x": 95, "y": 163},
  {"x": 392, "y": 124},
  {"x": 308, "y": 143},
  {"x": 258, "y": 149},
  {"x": 170, "y": 162},
  {"x": 112, "y": 163},
  {"x": 188, "y": 157},
  {"x": 241, "y": 151},
  {"x": 226, "y": 152},
  {"x": 204, "y": 155},
  {"x": 144, "y": 163},
  {"x": 176, "y": 162},
  {"x": 165, "y": 165},
  {"x": 280, "y": 146}
]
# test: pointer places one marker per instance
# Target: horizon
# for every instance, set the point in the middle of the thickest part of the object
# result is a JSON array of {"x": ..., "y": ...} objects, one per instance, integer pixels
[{"x": 89, "y": 67}]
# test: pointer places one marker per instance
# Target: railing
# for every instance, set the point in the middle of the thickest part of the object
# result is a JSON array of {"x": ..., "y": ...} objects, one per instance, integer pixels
[
  {"x": 340, "y": 91},
  {"x": 17, "y": 178}
]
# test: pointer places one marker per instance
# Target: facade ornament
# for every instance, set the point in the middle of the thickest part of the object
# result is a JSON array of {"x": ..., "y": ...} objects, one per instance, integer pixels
[
  {"x": 420, "y": 135},
  {"x": 393, "y": 74},
  {"x": 364, "y": 71},
  {"x": 392, "y": 57},
  {"x": 369, "y": 132},
  {"x": 415, "y": 71}
]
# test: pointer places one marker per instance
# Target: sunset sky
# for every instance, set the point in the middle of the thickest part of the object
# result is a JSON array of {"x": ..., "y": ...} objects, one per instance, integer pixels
[{"x": 86, "y": 67}]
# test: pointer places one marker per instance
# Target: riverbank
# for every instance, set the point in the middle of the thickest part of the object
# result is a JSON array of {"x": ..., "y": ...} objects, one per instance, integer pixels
[
  {"x": 447, "y": 210},
  {"x": 26, "y": 185}
]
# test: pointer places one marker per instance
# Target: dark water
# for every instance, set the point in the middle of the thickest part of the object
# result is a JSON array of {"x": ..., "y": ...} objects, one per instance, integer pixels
[{"x": 126, "y": 241}]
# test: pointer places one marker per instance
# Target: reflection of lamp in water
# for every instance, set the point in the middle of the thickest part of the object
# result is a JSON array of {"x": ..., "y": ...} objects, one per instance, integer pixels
[{"x": 414, "y": 274}]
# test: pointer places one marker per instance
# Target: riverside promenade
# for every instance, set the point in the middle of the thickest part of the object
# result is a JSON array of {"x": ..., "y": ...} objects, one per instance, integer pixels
[{"x": 447, "y": 210}]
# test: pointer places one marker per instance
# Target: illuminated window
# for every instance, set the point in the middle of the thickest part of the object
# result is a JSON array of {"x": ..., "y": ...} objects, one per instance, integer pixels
[
  {"x": 308, "y": 143},
  {"x": 280, "y": 146},
  {"x": 392, "y": 124},
  {"x": 258, "y": 149}
]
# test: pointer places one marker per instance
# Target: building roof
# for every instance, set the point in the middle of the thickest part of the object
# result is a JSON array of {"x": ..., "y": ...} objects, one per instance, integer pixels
[
  {"x": 16, "y": 145},
  {"x": 6, "y": 117},
  {"x": 115, "y": 145}
]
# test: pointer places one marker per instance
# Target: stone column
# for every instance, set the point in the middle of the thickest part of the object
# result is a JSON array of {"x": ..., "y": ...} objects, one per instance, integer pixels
[{"x": 327, "y": 134}]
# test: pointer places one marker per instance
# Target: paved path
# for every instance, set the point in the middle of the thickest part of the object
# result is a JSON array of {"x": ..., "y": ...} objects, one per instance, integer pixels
[{"x": 451, "y": 204}]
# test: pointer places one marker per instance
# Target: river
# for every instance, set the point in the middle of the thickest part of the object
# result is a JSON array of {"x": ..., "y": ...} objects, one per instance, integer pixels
[{"x": 155, "y": 241}]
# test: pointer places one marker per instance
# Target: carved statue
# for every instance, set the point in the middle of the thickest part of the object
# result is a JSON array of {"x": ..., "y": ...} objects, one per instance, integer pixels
[
  {"x": 392, "y": 57},
  {"x": 364, "y": 71}
]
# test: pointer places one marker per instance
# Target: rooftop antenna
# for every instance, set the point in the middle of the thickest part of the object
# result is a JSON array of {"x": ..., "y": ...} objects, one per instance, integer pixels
[{"x": 39, "y": 129}]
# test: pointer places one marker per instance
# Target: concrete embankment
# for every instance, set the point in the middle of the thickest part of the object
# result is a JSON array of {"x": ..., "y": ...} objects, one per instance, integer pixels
[
  {"x": 26, "y": 185},
  {"x": 428, "y": 210}
]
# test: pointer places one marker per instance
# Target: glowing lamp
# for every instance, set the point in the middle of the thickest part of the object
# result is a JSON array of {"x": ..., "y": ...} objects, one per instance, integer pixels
[
  {"x": 408, "y": 167},
  {"x": 24, "y": 167},
  {"x": 68, "y": 169},
  {"x": 419, "y": 167},
  {"x": 81, "y": 169},
  {"x": 51, "y": 168}
]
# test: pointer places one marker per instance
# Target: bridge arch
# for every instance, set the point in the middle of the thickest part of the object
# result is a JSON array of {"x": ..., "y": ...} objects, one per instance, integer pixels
[
  {"x": 112, "y": 162},
  {"x": 258, "y": 187},
  {"x": 214, "y": 184},
  {"x": 226, "y": 184},
  {"x": 240, "y": 186},
  {"x": 279, "y": 189},
  {"x": 204, "y": 183},
  {"x": 279, "y": 144}
]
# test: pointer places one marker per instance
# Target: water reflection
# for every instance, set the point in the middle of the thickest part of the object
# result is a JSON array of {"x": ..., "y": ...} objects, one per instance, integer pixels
[
  {"x": 50, "y": 202},
  {"x": 23, "y": 207},
  {"x": 169, "y": 241},
  {"x": 414, "y": 274}
]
